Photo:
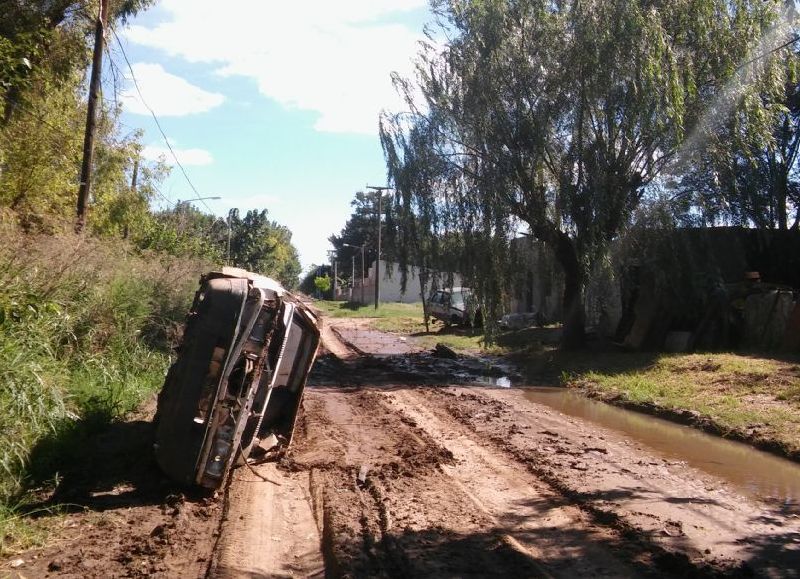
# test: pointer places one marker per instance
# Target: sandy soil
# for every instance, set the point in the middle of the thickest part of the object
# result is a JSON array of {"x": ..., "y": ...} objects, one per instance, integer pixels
[{"x": 395, "y": 473}]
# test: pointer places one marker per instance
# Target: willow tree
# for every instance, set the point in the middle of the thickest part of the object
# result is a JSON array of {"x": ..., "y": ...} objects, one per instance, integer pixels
[{"x": 556, "y": 115}]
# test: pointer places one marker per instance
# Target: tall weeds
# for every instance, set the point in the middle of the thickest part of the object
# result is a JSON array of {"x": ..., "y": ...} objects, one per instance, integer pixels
[{"x": 85, "y": 330}]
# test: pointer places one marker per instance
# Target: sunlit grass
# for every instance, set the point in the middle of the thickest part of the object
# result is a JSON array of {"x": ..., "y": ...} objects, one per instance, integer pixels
[
  {"x": 736, "y": 392},
  {"x": 83, "y": 333},
  {"x": 384, "y": 310}
]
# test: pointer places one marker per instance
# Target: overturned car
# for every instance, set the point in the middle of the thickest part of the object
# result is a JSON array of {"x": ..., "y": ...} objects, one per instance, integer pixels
[{"x": 235, "y": 389}]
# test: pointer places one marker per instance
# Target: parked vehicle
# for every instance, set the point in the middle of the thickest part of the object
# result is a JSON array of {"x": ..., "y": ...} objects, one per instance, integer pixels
[
  {"x": 236, "y": 386},
  {"x": 455, "y": 306}
]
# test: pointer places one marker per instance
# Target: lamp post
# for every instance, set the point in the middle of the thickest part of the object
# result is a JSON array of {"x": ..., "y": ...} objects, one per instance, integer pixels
[
  {"x": 379, "y": 189},
  {"x": 231, "y": 213},
  {"x": 361, "y": 247},
  {"x": 183, "y": 206},
  {"x": 203, "y": 199},
  {"x": 352, "y": 275}
]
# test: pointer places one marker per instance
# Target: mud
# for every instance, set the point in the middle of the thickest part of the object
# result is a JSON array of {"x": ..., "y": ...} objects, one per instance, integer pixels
[
  {"x": 565, "y": 495},
  {"x": 121, "y": 517},
  {"x": 761, "y": 475},
  {"x": 402, "y": 467}
]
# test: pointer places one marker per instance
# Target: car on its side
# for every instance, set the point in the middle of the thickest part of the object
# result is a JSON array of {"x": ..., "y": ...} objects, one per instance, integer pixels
[
  {"x": 235, "y": 388},
  {"x": 455, "y": 306}
]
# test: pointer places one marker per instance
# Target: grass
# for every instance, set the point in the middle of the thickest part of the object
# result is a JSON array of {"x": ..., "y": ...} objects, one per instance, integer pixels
[
  {"x": 390, "y": 310},
  {"x": 407, "y": 320},
  {"x": 753, "y": 397},
  {"x": 84, "y": 336}
]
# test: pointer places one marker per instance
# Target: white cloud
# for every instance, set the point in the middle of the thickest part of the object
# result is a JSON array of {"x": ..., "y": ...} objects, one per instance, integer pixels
[
  {"x": 330, "y": 57},
  {"x": 166, "y": 94},
  {"x": 187, "y": 157}
]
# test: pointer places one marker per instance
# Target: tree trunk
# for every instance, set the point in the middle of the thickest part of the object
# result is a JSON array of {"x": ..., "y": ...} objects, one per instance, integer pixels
[
  {"x": 423, "y": 294},
  {"x": 780, "y": 202},
  {"x": 573, "y": 335}
]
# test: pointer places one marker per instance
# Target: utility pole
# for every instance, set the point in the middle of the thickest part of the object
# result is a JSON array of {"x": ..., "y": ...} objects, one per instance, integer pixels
[
  {"x": 335, "y": 275},
  {"x": 85, "y": 187},
  {"x": 231, "y": 213},
  {"x": 134, "y": 184},
  {"x": 363, "y": 246},
  {"x": 379, "y": 190},
  {"x": 352, "y": 275}
]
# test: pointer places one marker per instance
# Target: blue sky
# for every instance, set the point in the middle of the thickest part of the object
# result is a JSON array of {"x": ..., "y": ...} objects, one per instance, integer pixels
[{"x": 271, "y": 105}]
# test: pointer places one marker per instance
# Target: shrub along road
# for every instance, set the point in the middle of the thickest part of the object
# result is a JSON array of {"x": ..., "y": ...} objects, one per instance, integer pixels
[{"x": 394, "y": 473}]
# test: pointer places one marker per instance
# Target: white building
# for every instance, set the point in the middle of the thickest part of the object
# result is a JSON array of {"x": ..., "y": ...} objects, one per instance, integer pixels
[{"x": 390, "y": 286}]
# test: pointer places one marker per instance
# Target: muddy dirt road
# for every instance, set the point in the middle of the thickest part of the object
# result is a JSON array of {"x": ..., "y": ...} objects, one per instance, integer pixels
[
  {"x": 397, "y": 471},
  {"x": 393, "y": 474}
]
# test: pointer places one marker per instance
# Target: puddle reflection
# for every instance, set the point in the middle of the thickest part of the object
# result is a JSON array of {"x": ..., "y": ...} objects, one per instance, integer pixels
[{"x": 755, "y": 472}]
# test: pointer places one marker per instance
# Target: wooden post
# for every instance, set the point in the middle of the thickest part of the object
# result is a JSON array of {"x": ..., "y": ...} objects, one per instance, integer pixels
[
  {"x": 378, "y": 259},
  {"x": 91, "y": 118},
  {"x": 335, "y": 276},
  {"x": 134, "y": 184}
]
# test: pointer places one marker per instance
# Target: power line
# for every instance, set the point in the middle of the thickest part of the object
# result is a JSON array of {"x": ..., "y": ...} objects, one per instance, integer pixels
[
  {"x": 169, "y": 201},
  {"x": 767, "y": 53},
  {"x": 158, "y": 124}
]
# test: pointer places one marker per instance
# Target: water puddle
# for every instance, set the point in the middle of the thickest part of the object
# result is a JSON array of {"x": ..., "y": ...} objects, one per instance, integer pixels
[{"x": 752, "y": 471}]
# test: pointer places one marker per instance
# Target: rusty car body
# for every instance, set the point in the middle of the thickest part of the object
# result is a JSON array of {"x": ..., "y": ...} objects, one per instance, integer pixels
[{"x": 236, "y": 386}]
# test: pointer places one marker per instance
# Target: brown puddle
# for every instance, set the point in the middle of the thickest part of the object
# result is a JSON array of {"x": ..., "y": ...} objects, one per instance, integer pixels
[{"x": 752, "y": 471}]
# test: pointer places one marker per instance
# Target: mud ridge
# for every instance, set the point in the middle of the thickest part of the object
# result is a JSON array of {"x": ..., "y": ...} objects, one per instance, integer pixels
[
  {"x": 213, "y": 561},
  {"x": 667, "y": 561}
]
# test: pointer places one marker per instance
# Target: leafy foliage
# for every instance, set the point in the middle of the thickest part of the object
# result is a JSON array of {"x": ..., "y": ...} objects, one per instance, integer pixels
[
  {"x": 85, "y": 328},
  {"x": 361, "y": 229},
  {"x": 264, "y": 246},
  {"x": 323, "y": 284},
  {"x": 559, "y": 117}
]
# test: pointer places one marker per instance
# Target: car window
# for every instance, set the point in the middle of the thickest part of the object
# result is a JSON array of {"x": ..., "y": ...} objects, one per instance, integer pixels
[{"x": 457, "y": 300}]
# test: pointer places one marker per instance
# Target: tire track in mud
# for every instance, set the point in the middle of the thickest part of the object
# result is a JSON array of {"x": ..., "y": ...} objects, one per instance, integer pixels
[
  {"x": 533, "y": 518},
  {"x": 388, "y": 508},
  {"x": 674, "y": 515},
  {"x": 269, "y": 528}
]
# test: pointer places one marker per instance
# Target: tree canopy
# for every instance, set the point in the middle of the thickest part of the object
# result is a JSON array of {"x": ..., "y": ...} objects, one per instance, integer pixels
[
  {"x": 44, "y": 56},
  {"x": 558, "y": 117}
]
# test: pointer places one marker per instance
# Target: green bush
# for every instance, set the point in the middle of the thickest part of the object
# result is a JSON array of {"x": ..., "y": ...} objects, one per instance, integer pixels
[{"x": 85, "y": 331}]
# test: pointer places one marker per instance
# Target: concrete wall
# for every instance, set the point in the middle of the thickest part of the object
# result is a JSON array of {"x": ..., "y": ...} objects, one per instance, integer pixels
[
  {"x": 390, "y": 286},
  {"x": 538, "y": 284}
]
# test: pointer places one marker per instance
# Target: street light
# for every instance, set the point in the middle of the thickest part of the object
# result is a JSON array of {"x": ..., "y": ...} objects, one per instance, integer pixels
[
  {"x": 361, "y": 247},
  {"x": 178, "y": 206},
  {"x": 203, "y": 199},
  {"x": 379, "y": 189}
]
